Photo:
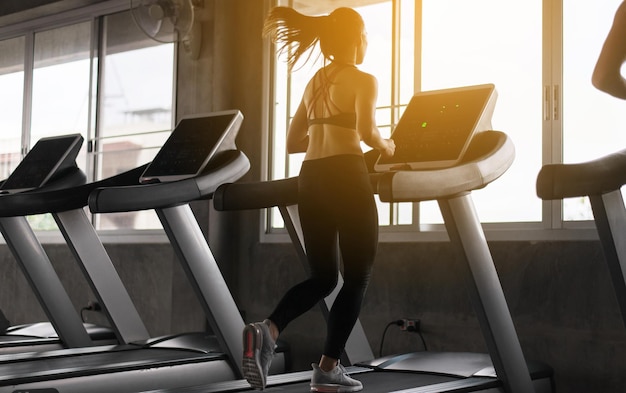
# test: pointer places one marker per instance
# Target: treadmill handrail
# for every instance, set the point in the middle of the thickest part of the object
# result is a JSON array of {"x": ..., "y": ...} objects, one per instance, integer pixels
[
  {"x": 595, "y": 177},
  {"x": 489, "y": 156},
  {"x": 69, "y": 193},
  {"x": 229, "y": 165},
  {"x": 256, "y": 195}
]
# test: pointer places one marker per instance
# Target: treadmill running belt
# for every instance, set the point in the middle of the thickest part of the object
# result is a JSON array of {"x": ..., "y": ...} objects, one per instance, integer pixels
[
  {"x": 42, "y": 369},
  {"x": 385, "y": 382},
  {"x": 373, "y": 382}
]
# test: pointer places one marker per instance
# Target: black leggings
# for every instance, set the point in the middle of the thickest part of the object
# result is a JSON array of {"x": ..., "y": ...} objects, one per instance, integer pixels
[{"x": 335, "y": 201}]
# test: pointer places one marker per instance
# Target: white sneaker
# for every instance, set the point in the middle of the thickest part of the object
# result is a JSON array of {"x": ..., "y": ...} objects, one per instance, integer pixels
[
  {"x": 258, "y": 351},
  {"x": 335, "y": 380}
]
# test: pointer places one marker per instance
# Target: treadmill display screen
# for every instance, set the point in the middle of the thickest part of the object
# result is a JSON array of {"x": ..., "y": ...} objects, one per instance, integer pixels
[
  {"x": 40, "y": 163},
  {"x": 437, "y": 127},
  {"x": 191, "y": 145}
]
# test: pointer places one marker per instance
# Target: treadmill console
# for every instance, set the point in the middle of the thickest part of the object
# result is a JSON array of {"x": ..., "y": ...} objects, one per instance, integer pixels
[{"x": 47, "y": 158}]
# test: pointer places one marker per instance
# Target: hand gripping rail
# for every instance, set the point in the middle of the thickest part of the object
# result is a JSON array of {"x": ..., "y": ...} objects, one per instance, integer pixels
[
  {"x": 490, "y": 154},
  {"x": 601, "y": 180}
]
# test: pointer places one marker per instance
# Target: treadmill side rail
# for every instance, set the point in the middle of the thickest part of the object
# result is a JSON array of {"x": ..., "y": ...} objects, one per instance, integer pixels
[
  {"x": 97, "y": 267},
  {"x": 486, "y": 293},
  {"x": 46, "y": 284}
]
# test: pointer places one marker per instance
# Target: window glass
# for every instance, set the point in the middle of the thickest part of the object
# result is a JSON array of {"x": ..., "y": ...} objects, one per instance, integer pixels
[
  {"x": 378, "y": 62},
  {"x": 60, "y": 95},
  {"x": 594, "y": 123},
  {"x": 499, "y": 42},
  {"x": 61, "y": 74},
  {"x": 135, "y": 108},
  {"x": 118, "y": 96},
  {"x": 11, "y": 102}
]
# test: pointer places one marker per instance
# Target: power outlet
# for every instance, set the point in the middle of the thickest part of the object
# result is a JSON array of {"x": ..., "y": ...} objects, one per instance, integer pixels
[{"x": 410, "y": 325}]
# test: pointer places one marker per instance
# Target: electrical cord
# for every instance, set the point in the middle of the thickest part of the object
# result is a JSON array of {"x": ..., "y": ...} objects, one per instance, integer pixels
[
  {"x": 398, "y": 322},
  {"x": 91, "y": 306},
  {"x": 423, "y": 341},
  {"x": 401, "y": 322},
  {"x": 416, "y": 329}
]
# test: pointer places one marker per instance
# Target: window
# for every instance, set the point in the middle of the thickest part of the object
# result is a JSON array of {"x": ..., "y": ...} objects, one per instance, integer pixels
[
  {"x": 395, "y": 79},
  {"x": 135, "y": 111},
  {"x": 11, "y": 100},
  {"x": 460, "y": 47},
  {"x": 60, "y": 90},
  {"x": 593, "y": 122},
  {"x": 535, "y": 53},
  {"x": 99, "y": 76}
]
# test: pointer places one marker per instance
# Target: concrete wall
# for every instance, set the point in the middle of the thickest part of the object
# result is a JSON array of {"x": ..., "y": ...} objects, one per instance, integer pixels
[{"x": 559, "y": 292}]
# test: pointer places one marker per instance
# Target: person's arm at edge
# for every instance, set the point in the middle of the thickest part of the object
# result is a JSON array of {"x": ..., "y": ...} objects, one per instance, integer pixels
[
  {"x": 606, "y": 74},
  {"x": 297, "y": 135},
  {"x": 365, "y": 107}
]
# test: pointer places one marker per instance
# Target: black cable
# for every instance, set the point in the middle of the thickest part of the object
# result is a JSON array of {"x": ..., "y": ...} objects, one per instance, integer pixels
[
  {"x": 423, "y": 341},
  {"x": 91, "y": 306},
  {"x": 398, "y": 322},
  {"x": 418, "y": 330}
]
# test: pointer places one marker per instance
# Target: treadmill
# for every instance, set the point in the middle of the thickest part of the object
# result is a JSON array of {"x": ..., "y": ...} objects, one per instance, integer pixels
[
  {"x": 600, "y": 180},
  {"x": 49, "y": 164},
  {"x": 504, "y": 368},
  {"x": 141, "y": 362}
]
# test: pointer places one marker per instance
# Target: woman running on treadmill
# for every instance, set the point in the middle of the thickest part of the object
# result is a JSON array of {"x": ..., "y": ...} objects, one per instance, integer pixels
[
  {"x": 607, "y": 75},
  {"x": 335, "y": 198}
]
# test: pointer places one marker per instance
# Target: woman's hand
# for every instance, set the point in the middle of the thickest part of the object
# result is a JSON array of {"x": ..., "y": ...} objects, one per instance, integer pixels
[{"x": 389, "y": 148}]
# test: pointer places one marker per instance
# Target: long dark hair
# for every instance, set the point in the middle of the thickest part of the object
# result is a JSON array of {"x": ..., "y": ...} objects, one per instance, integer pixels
[{"x": 295, "y": 33}]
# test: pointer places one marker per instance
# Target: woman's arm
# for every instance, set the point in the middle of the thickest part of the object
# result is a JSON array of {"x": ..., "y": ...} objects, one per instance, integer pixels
[
  {"x": 606, "y": 75},
  {"x": 297, "y": 135},
  {"x": 365, "y": 107}
]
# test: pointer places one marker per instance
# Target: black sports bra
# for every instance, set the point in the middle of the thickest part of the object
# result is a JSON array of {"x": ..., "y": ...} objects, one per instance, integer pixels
[
  {"x": 321, "y": 83},
  {"x": 345, "y": 120}
]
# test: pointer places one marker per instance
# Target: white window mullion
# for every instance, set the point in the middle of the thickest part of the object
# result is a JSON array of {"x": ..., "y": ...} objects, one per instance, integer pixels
[
  {"x": 551, "y": 99},
  {"x": 29, "y": 54}
]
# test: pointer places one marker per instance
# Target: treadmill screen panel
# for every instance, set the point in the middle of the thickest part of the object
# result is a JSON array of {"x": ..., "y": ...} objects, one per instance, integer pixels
[
  {"x": 41, "y": 162},
  {"x": 437, "y": 127},
  {"x": 192, "y": 144}
]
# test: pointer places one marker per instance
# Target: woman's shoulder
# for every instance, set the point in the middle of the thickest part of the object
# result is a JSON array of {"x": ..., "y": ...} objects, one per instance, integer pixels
[
  {"x": 355, "y": 75},
  {"x": 364, "y": 80},
  {"x": 362, "y": 74}
]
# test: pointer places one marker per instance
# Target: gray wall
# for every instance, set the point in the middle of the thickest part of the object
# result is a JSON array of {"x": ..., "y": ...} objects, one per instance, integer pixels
[{"x": 559, "y": 292}]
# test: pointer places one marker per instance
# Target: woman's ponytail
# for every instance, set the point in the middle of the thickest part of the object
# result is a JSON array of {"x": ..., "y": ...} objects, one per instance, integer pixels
[{"x": 293, "y": 32}]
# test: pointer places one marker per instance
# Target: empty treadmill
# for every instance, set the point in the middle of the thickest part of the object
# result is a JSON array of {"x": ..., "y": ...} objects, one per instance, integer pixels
[
  {"x": 49, "y": 164},
  {"x": 142, "y": 362},
  {"x": 504, "y": 368}
]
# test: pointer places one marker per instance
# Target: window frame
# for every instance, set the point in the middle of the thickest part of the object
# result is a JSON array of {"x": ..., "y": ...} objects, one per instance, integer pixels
[
  {"x": 94, "y": 14},
  {"x": 552, "y": 226}
]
